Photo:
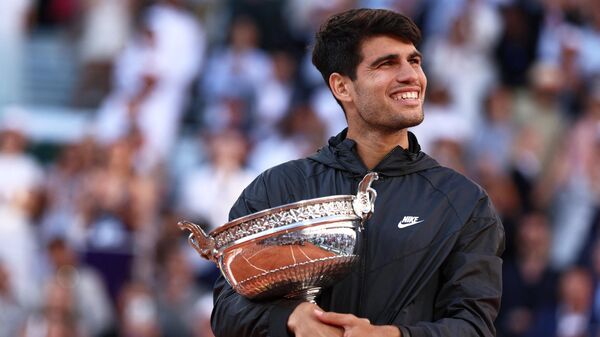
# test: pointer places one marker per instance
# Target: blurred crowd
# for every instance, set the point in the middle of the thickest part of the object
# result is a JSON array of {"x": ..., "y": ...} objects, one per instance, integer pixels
[{"x": 192, "y": 99}]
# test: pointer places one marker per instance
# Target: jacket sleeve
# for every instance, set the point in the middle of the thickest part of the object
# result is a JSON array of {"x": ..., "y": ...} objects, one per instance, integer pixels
[
  {"x": 469, "y": 299},
  {"x": 236, "y": 316}
]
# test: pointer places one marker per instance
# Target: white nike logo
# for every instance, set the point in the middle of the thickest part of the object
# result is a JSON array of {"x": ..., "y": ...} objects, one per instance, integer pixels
[{"x": 409, "y": 221}]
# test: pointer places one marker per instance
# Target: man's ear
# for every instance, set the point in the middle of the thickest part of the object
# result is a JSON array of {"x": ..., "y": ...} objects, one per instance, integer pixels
[{"x": 340, "y": 87}]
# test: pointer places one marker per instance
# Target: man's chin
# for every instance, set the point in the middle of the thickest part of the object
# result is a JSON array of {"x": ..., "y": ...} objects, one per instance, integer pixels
[
  {"x": 403, "y": 125},
  {"x": 409, "y": 123}
]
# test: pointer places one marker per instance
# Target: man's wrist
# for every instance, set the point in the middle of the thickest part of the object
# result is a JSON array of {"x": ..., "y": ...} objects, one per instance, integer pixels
[{"x": 392, "y": 331}]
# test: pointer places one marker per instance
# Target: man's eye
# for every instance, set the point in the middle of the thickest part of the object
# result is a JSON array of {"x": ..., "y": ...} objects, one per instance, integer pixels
[
  {"x": 415, "y": 61},
  {"x": 386, "y": 63}
]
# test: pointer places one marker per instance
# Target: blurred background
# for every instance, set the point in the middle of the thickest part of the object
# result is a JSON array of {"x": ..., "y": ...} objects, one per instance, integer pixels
[{"x": 120, "y": 117}]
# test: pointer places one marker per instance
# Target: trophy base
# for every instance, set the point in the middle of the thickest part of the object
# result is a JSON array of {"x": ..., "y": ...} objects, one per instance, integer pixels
[
  {"x": 299, "y": 281},
  {"x": 307, "y": 294}
]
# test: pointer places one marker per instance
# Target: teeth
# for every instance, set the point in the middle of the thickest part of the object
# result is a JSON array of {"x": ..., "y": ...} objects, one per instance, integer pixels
[{"x": 406, "y": 95}]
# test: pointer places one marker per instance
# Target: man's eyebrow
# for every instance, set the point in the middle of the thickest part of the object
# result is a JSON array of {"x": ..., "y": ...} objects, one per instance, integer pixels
[
  {"x": 384, "y": 58},
  {"x": 387, "y": 57}
]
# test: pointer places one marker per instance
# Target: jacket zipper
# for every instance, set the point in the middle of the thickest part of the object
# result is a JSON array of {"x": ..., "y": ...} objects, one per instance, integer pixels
[{"x": 362, "y": 277}]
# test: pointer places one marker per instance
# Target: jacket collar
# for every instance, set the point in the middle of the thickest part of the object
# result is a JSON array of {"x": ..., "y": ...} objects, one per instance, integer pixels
[{"x": 340, "y": 153}]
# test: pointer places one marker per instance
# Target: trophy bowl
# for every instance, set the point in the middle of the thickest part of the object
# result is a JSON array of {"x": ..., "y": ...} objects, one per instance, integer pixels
[{"x": 292, "y": 250}]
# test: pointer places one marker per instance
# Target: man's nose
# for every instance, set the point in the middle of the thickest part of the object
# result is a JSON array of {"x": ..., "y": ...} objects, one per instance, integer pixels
[{"x": 407, "y": 73}]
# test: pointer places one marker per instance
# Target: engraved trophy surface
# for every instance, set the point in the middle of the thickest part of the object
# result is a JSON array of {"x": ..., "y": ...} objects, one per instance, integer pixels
[{"x": 292, "y": 250}]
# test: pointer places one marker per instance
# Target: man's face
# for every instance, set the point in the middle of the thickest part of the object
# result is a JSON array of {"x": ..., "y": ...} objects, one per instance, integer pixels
[{"x": 388, "y": 92}]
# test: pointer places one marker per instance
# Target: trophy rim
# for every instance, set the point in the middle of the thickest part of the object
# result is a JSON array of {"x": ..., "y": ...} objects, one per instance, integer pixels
[
  {"x": 278, "y": 209},
  {"x": 323, "y": 222}
]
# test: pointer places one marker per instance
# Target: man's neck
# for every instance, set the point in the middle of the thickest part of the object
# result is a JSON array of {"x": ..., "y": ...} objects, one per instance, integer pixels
[{"x": 372, "y": 147}]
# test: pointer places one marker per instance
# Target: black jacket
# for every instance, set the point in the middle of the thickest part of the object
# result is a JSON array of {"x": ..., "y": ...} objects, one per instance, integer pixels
[{"x": 439, "y": 277}]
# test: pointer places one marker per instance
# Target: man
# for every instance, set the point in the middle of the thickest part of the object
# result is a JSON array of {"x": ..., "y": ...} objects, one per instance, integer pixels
[{"x": 430, "y": 262}]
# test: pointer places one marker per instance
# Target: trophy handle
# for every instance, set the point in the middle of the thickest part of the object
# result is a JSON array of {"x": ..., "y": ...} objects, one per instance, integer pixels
[
  {"x": 203, "y": 243},
  {"x": 364, "y": 202}
]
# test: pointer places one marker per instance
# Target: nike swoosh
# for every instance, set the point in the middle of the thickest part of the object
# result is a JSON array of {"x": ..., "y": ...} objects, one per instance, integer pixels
[{"x": 404, "y": 225}]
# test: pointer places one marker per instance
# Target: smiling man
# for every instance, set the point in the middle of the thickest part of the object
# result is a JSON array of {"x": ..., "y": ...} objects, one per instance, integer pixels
[{"x": 430, "y": 260}]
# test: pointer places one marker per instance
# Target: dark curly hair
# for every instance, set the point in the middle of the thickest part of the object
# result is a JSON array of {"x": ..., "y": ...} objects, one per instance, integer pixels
[{"x": 338, "y": 41}]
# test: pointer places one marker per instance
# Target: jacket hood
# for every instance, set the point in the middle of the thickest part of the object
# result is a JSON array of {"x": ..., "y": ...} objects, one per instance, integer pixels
[{"x": 340, "y": 153}]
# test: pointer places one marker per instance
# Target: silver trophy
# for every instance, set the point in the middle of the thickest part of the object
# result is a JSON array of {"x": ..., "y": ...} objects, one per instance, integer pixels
[{"x": 292, "y": 250}]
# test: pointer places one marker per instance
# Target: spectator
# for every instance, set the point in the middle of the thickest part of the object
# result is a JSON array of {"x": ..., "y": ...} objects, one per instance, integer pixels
[
  {"x": 138, "y": 315},
  {"x": 492, "y": 139},
  {"x": 57, "y": 316},
  {"x": 571, "y": 316},
  {"x": 465, "y": 53},
  {"x": 516, "y": 48},
  {"x": 92, "y": 308},
  {"x": 106, "y": 26},
  {"x": 20, "y": 185},
  {"x": 274, "y": 100},
  {"x": 20, "y": 173},
  {"x": 540, "y": 122},
  {"x": 120, "y": 212},
  {"x": 529, "y": 281},
  {"x": 64, "y": 192},
  {"x": 298, "y": 134},
  {"x": 150, "y": 90},
  {"x": 566, "y": 27},
  {"x": 572, "y": 188},
  {"x": 236, "y": 70},
  {"x": 177, "y": 295},
  {"x": 207, "y": 191},
  {"x": 11, "y": 312},
  {"x": 585, "y": 132}
]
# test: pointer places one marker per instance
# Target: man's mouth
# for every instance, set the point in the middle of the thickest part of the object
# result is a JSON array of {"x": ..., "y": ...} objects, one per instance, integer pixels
[{"x": 407, "y": 95}]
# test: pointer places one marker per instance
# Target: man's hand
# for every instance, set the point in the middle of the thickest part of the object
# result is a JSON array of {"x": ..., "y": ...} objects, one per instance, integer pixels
[
  {"x": 356, "y": 327},
  {"x": 304, "y": 322}
]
